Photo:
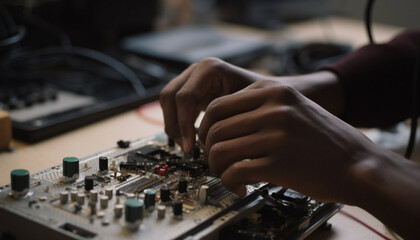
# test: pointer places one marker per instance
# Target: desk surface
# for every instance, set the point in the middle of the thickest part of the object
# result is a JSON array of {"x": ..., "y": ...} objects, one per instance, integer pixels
[{"x": 147, "y": 120}]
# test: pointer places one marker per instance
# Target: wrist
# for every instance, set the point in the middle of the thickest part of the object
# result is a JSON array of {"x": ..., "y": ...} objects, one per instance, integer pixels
[{"x": 322, "y": 87}]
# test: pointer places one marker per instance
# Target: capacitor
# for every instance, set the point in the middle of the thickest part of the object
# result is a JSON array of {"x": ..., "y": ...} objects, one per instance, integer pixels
[
  {"x": 80, "y": 198},
  {"x": 88, "y": 183},
  {"x": 19, "y": 179},
  {"x": 104, "y": 202},
  {"x": 103, "y": 164},
  {"x": 109, "y": 192},
  {"x": 150, "y": 198},
  {"x": 64, "y": 197},
  {"x": 161, "y": 210},
  {"x": 118, "y": 209},
  {"x": 130, "y": 195},
  {"x": 202, "y": 194},
  {"x": 163, "y": 172},
  {"x": 177, "y": 208},
  {"x": 157, "y": 168},
  {"x": 92, "y": 206},
  {"x": 70, "y": 168},
  {"x": 182, "y": 185},
  {"x": 73, "y": 195},
  {"x": 165, "y": 193},
  {"x": 93, "y": 195},
  {"x": 133, "y": 210}
]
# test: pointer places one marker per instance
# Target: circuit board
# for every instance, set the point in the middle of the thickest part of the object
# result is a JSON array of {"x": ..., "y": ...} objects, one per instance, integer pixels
[{"x": 149, "y": 189}]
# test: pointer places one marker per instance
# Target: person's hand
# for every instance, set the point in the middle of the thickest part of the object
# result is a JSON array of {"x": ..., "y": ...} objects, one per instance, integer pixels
[
  {"x": 270, "y": 132},
  {"x": 189, "y": 93}
]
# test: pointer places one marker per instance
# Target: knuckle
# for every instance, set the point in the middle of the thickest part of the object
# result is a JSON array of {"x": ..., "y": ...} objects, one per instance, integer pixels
[
  {"x": 182, "y": 97},
  {"x": 288, "y": 93},
  {"x": 166, "y": 95},
  {"x": 214, "y": 105}
]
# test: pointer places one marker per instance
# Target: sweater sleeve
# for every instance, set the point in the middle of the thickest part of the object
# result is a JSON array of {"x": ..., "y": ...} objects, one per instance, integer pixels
[{"x": 377, "y": 81}]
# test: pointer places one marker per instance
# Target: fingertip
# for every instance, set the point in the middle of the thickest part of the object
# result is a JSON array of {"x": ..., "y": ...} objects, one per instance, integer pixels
[
  {"x": 240, "y": 190},
  {"x": 187, "y": 145}
]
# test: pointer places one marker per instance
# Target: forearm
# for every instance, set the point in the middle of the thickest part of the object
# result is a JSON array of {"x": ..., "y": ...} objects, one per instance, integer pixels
[{"x": 388, "y": 186}]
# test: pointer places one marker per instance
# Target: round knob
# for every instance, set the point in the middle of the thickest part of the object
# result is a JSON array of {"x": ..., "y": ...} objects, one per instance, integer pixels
[
  {"x": 150, "y": 198},
  {"x": 182, "y": 185},
  {"x": 177, "y": 207},
  {"x": 19, "y": 179},
  {"x": 71, "y": 167},
  {"x": 164, "y": 194},
  {"x": 88, "y": 183},
  {"x": 103, "y": 164},
  {"x": 133, "y": 210}
]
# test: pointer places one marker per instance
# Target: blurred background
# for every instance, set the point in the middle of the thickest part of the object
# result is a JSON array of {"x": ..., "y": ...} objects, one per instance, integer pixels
[{"x": 67, "y": 63}]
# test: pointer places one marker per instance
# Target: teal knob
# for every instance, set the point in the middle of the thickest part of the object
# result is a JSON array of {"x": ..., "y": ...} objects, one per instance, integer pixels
[
  {"x": 70, "y": 166},
  {"x": 19, "y": 179},
  {"x": 133, "y": 210}
]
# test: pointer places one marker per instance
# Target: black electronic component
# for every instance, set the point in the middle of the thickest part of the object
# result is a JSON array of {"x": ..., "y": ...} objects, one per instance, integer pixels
[
  {"x": 165, "y": 194},
  {"x": 150, "y": 198},
  {"x": 196, "y": 152},
  {"x": 171, "y": 142},
  {"x": 123, "y": 144},
  {"x": 177, "y": 208},
  {"x": 103, "y": 164},
  {"x": 19, "y": 180},
  {"x": 182, "y": 185},
  {"x": 88, "y": 183}
]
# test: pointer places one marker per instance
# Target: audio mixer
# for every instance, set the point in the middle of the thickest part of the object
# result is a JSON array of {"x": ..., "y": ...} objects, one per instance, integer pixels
[{"x": 149, "y": 189}]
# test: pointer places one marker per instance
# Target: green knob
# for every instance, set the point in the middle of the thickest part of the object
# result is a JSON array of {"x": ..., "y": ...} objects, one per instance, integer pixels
[
  {"x": 133, "y": 210},
  {"x": 19, "y": 179},
  {"x": 70, "y": 166}
]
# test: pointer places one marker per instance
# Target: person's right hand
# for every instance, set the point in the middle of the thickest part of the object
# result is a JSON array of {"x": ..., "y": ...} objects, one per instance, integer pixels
[{"x": 190, "y": 93}]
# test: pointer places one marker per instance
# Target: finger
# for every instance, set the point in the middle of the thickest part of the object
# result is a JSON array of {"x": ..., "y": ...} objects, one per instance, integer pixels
[
  {"x": 194, "y": 95},
  {"x": 224, "y": 154},
  {"x": 227, "y": 106},
  {"x": 168, "y": 104},
  {"x": 238, "y": 175},
  {"x": 238, "y": 126}
]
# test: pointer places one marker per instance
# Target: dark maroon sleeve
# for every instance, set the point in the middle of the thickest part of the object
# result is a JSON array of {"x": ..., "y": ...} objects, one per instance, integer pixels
[{"x": 377, "y": 81}]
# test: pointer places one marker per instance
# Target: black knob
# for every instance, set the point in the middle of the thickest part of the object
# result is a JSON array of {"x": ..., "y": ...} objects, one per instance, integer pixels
[
  {"x": 182, "y": 185},
  {"x": 177, "y": 207},
  {"x": 150, "y": 198},
  {"x": 88, "y": 183},
  {"x": 171, "y": 142},
  {"x": 103, "y": 164},
  {"x": 164, "y": 194}
]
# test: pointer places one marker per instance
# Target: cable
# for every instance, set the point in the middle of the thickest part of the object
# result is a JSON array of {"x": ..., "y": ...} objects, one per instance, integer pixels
[
  {"x": 414, "y": 110},
  {"x": 364, "y": 224},
  {"x": 86, "y": 53},
  {"x": 368, "y": 19}
]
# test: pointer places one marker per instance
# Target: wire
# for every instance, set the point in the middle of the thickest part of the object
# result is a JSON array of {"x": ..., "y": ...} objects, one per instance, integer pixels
[
  {"x": 86, "y": 53},
  {"x": 414, "y": 110},
  {"x": 368, "y": 19},
  {"x": 365, "y": 224}
]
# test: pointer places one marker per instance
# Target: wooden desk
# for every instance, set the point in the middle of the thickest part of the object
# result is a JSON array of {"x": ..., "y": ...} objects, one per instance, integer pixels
[{"x": 148, "y": 120}]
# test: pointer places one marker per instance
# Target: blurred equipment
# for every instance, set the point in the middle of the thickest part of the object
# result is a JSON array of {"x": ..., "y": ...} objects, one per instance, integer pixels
[
  {"x": 5, "y": 130},
  {"x": 148, "y": 189},
  {"x": 60, "y": 69},
  {"x": 270, "y": 14},
  {"x": 185, "y": 45}
]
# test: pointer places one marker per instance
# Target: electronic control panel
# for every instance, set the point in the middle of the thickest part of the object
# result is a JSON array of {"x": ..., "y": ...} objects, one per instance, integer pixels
[{"x": 149, "y": 189}]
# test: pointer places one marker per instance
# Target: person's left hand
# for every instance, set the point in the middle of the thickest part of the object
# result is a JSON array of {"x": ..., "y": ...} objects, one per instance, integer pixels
[{"x": 270, "y": 132}]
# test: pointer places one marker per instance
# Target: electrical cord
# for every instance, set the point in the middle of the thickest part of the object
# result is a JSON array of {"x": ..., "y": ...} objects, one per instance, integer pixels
[
  {"x": 368, "y": 20},
  {"x": 85, "y": 53},
  {"x": 414, "y": 110},
  {"x": 415, "y": 79}
]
